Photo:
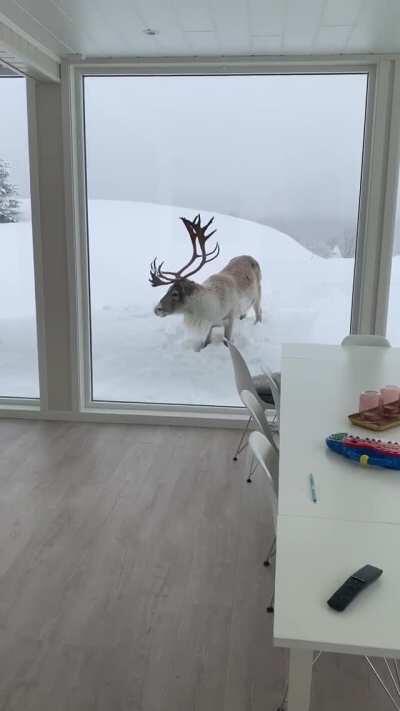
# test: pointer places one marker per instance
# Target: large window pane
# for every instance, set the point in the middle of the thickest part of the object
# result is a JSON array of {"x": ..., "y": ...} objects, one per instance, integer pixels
[
  {"x": 276, "y": 160},
  {"x": 393, "y": 326},
  {"x": 18, "y": 350}
]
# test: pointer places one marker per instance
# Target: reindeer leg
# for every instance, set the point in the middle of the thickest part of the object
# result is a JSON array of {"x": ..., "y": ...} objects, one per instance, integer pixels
[
  {"x": 208, "y": 338},
  {"x": 257, "y": 306},
  {"x": 228, "y": 326}
]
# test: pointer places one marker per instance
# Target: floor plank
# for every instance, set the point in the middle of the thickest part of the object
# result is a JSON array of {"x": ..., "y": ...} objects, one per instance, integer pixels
[{"x": 131, "y": 577}]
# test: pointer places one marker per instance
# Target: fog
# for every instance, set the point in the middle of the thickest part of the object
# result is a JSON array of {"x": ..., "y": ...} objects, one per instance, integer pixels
[
  {"x": 282, "y": 150},
  {"x": 14, "y": 132}
]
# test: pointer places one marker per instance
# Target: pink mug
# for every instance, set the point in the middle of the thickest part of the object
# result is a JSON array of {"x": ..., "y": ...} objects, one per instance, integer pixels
[
  {"x": 369, "y": 399},
  {"x": 390, "y": 393}
]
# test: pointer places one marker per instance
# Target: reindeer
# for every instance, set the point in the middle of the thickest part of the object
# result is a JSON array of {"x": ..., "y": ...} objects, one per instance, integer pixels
[{"x": 224, "y": 296}]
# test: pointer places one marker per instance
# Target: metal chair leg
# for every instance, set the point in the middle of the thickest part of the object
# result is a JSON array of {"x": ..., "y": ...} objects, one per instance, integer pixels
[
  {"x": 395, "y": 683},
  {"x": 382, "y": 683},
  {"x": 271, "y": 552},
  {"x": 393, "y": 673},
  {"x": 242, "y": 445},
  {"x": 253, "y": 467},
  {"x": 396, "y": 666},
  {"x": 270, "y": 607}
]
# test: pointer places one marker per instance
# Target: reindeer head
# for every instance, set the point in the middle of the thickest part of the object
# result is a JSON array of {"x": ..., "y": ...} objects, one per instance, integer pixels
[{"x": 181, "y": 287}]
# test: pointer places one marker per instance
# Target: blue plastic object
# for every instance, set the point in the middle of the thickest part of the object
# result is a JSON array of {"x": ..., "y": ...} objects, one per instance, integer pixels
[{"x": 365, "y": 451}]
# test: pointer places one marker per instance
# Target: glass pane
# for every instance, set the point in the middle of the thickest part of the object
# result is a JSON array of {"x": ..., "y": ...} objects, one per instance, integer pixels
[
  {"x": 393, "y": 325},
  {"x": 276, "y": 160},
  {"x": 18, "y": 347}
]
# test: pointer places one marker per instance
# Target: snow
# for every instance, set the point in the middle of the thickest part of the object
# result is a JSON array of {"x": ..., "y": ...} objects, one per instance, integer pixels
[
  {"x": 18, "y": 350},
  {"x": 141, "y": 358}
]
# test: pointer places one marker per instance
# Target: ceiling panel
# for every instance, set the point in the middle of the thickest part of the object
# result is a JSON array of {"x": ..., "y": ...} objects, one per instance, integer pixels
[
  {"x": 203, "y": 42},
  {"x": 68, "y": 28},
  {"x": 124, "y": 25},
  {"x": 377, "y": 28},
  {"x": 205, "y": 27},
  {"x": 96, "y": 32},
  {"x": 160, "y": 15},
  {"x": 341, "y": 12},
  {"x": 301, "y": 27},
  {"x": 232, "y": 24},
  {"x": 267, "y": 17},
  {"x": 266, "y": 44},
  {"x": 17, "y": 15},
  {"x": 332, "y": 39},
  {"x": 194, "y": 17}
]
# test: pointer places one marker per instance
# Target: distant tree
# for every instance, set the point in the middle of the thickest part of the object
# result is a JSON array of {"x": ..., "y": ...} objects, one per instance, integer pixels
[
  {"x": 9, "y": 205},
  {"x": 348, "y": 245},
  {"x": 342, "y": 245}
]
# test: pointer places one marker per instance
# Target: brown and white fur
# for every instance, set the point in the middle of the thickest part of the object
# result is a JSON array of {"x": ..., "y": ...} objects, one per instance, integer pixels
[{"x": 224, "y": 296}]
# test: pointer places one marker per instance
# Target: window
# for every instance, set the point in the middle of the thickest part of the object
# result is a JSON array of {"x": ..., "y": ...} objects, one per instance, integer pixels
[
  {"x": 276, "y": 159},
  {"x": 393, "y": 325},
  {"x": 18, "y": 348}
]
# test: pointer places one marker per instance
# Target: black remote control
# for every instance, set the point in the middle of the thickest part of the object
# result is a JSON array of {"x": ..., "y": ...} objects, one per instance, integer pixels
[{"x": 353, "y": 585}]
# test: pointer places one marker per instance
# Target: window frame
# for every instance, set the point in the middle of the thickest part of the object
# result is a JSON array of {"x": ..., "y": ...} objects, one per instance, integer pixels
[
  {"x": 73, "y": 74},
  {"x": 378, "y": 193},
  {"x": 18, "y": 405}
]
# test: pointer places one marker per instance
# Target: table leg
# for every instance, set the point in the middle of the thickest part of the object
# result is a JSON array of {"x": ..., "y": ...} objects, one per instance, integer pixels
[{"x": 300, "y": 673}]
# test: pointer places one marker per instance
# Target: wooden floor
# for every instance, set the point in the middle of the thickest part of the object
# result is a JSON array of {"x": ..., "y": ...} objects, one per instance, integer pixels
[{"x": 131, "y": 577}]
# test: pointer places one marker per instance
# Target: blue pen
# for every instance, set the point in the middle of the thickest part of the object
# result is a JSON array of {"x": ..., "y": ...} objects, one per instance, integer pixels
[{"x": 313, "y": 490}]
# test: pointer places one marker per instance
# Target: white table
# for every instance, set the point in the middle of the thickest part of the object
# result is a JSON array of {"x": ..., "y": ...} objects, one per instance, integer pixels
[{"x": 355, "y": 521}]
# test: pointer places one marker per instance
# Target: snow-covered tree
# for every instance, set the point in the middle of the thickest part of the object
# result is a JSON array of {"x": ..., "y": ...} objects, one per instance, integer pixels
[{"x": 9, "y": 205}]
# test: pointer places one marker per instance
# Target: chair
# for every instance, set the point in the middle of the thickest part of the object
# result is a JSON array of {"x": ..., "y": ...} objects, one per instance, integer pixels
[
  {"x": 259, "y": 386},
  {"x": 260, "y": 448},
  {"x": 365, "y": 340},
  {"x": 257, "y": 414},
  {"x": 274, "y": 381}
]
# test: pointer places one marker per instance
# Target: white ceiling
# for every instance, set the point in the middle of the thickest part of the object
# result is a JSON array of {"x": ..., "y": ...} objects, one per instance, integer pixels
[{"x": 207, "y": 27}]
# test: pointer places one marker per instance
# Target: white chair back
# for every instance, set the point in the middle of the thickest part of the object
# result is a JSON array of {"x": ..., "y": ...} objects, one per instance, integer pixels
[
  {"x": 365, "y": 340},
  {"x": 256, "y": 410},
  {"x": 241, "y": 372},
  {"x": 260, "y": 447}
]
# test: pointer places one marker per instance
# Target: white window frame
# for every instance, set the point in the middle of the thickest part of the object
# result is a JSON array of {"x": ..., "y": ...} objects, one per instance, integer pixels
[
  {"x": 12, "y": 404},
  {"x": 375, "y": 229}
]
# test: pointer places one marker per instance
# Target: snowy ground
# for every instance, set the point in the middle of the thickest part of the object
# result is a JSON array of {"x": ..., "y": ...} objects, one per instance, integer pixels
[
  {"x": 18, "y": 351},
  {"x": 139, "y": 357}
]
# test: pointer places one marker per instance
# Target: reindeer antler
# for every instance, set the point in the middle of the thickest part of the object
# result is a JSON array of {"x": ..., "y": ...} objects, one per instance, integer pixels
[{"x": 198, "y": 237}]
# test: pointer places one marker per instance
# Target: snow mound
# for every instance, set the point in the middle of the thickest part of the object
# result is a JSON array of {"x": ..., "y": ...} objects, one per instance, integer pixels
[
  {"x": 139, "y": 357},
  {"x": 140, "y": 231}
]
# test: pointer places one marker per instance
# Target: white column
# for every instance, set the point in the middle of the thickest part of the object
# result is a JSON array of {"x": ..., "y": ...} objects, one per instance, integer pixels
[
  {"x": 50, "y": 248},
  {"x": 378, "y": 201}
]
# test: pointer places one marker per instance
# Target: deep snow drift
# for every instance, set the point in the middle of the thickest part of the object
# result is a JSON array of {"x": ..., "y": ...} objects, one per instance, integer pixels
[
  {"x": 18, "y": 351},
  {"x": 139, "y": 357}
]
